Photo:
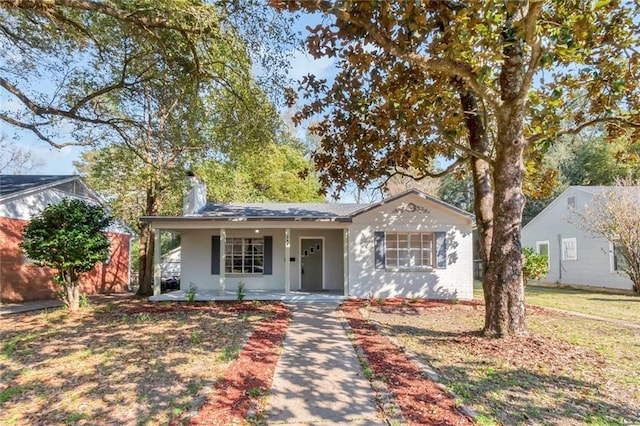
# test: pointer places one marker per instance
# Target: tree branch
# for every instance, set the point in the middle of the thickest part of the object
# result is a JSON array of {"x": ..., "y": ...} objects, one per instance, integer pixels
[
  {"x": 581, "y": 127},
  {"x": 535, "y": 42},
  {"x": 443, "y": 66},
  {"x": 43, "y": 111},
  {"x": 34, "y": 128},
  {"x": 446, "y": 171}
]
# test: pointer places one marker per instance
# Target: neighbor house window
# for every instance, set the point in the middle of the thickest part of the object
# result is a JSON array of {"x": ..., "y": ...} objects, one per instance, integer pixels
[
  {"x": 409, "y": 250},
  {"x": 542, "y": 248},
  {"x": 619, "y": 261},
  {"x": 569, "y": 249},
  {"x": 244, "y": 256},
  {"x": 571, "y": 202}
]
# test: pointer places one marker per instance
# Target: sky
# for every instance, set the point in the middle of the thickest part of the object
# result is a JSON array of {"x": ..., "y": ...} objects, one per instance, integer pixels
[{"x": 60, "y": 161}]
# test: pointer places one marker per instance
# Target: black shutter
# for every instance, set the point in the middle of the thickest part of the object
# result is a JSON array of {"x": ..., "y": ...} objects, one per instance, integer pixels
[
  {"x": 441, "y": 250},
  {"x": 379, "y": 249},
  {"x": 268, "y": 255},
  {"x": 215, "y": 255}
]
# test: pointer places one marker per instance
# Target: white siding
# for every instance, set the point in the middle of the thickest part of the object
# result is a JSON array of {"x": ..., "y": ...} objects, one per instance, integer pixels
[
  {"x": 558, "y": 222},
  {"x": 25, "y": 208},
  {"x": 454, "y": 281},
  {"x": 196, "y": 261}
]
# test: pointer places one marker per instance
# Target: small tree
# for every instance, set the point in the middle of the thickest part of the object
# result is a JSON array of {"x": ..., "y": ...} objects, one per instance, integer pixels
[
  {"x": 68, "y": 237},
  {"x": 535, "y": 267},
  {"x": 615, "y": 214}
]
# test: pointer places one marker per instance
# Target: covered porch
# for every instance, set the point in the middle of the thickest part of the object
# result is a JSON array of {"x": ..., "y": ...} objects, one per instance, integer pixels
[
  {"x": 270, "y": 261},
  {"x": 258, "y": 295}
]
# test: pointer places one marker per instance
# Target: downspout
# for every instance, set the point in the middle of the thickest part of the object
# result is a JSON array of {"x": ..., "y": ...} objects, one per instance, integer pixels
[
  {"x": 129, "y": 266},
  {"x": 560, "y": 258}
]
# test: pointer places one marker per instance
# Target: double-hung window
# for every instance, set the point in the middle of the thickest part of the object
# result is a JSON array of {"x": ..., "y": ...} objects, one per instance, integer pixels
[
  {"x": 244, "y": 256},
  {"x": 542, "y": 248},
  {"x": 569, "y": 249},
  {"x": 619, "y": 261},
  {"x": 405, "y": 250}
]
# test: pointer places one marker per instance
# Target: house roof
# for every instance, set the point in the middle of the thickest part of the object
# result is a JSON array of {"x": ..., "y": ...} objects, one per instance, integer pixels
[
  {"x": 280, "y": 210},
  {"x": 592, "y": 190},
  {"x": 15, "y": 184},
  {"x": 339, "y": 212}
]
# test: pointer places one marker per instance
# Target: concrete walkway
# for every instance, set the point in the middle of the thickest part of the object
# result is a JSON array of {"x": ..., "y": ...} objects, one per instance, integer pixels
[
  {"x": 36, "y": 305},
  {"x": 318, "y": 379}
]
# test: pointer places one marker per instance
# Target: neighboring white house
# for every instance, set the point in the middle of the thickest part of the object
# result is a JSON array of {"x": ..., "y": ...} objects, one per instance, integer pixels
[
  {"x": 576, "y": 257},
  {"x": 410, "y": 245}
]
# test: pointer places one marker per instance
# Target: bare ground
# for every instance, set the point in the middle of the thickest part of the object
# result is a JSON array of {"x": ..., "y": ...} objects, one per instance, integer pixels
[
  {"x": 127, "y": 362},
  {"x": 570, "y": 371}
]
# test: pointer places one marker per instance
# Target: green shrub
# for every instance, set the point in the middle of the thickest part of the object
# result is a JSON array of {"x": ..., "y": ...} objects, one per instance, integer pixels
[
  {"x": 536, "y": 266},
  {"x": 241, "y": 294},
  {"x": 191, "y": 294}
]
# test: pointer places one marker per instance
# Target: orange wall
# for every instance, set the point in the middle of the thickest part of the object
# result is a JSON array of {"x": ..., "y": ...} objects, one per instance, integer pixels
[{"x": 21, "y": 281}]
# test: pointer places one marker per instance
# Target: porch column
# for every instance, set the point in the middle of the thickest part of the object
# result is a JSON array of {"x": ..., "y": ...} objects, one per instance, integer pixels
[
  {"x": 287, "y": 263},
  {"x": 223, "y": 255},
  {"x": 157, "y": 270},
  {"x": 345, "y": 260}
]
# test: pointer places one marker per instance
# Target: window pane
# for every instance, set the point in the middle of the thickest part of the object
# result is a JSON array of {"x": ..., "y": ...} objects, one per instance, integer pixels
[
  {"x": 543, "y": 249},
  {"x": 620, "y": 263},
  {"x": 244, "y": 255},
  {"x": 392, "y": 242},
  {"x": 409, "y": 250}
]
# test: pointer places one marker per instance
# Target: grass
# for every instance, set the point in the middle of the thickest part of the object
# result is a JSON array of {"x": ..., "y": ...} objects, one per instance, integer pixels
[
  {"x": 571, "y": 371},
  {"x": 109, "y": 364},
  {"x": 625, "y": 307}
]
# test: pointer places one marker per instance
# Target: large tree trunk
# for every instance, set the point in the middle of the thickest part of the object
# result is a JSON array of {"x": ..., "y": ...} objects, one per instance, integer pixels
[
  {"x": 506, "y": 309},
  {"x": 147, "y": 242},
  {"x": 482, "y": 185},
  {"x": 145, "y": 256}
]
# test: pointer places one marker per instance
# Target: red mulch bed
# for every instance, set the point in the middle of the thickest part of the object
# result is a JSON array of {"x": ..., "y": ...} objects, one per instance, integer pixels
[
  {"x": 421, "y": 400},
  {"x": 230, "y": 402}
]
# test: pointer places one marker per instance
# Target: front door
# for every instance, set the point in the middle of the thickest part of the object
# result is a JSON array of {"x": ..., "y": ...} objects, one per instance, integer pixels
[{"x": 311, "y": 253}]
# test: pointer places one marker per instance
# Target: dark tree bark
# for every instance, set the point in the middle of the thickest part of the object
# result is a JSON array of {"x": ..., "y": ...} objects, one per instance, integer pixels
[
  {"x": 482, "y": 186},
  {"x": 145, "y": 271},
  {"x": 147, "y": 245}
]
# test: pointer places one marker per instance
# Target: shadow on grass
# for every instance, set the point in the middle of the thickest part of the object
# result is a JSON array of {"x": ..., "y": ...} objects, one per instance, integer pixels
[
  {"x": 109, "y": 365},
  {"x": 511, "y": 394}
]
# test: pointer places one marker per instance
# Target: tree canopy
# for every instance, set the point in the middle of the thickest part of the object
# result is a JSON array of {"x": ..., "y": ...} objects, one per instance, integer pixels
[
  {"x": 69, "y": 238},
  {"x": 276, "y": 172},
  {"x": 483, "y": 84},
  {"x": 66, "y": 62},
  {"x": 163, "y": 82}
]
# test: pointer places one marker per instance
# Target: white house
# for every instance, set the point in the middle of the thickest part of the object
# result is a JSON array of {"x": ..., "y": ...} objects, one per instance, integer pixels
[
  {"x": 410, "y": 245},
  {"x": 576, "y": 257}
]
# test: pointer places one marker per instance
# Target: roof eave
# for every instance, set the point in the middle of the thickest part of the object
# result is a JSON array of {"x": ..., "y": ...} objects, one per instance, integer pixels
[
  {"x": 420, "y": 194},
  {"x": 149, "y": 219},
  {"x": 38, "y": 188}
]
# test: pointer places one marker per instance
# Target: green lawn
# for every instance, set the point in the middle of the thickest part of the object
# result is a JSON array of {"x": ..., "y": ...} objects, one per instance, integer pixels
[{"x": 608, "y": 305}]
